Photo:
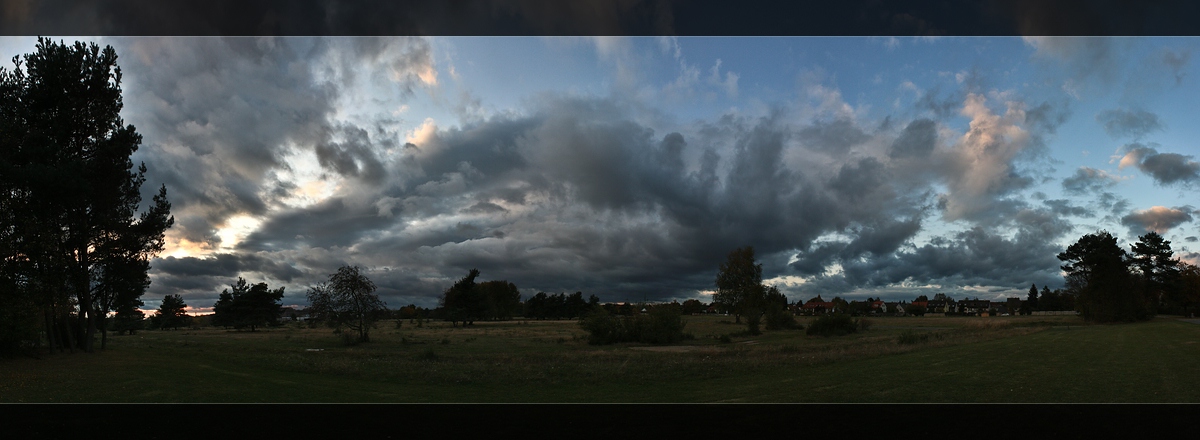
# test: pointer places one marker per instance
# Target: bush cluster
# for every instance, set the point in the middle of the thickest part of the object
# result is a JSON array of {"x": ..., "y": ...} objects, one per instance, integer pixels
[
  {"x": 661, "y": 326},
  {"x": 835, "y": 325},
  {"x": 781, "y": 319}
]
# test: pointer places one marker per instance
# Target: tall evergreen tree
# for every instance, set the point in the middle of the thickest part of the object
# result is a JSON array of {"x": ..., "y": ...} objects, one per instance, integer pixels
[
  {"x": 1152, "y": 256},
  {"x": 1097, "y": 274},
  {"x": 172, "y": 313},
  {"x": 65, "y": 163}
]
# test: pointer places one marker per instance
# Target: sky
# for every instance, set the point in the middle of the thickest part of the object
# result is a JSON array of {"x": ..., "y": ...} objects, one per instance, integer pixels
[{"x": 629, "y": 167}]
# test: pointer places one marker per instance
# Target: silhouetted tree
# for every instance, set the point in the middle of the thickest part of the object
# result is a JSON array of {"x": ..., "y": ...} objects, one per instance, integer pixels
[
  {"x": 740, "y": 289},
  {"x": 456, "y": 301},
  {"x": 65, "y": 167},
  {"x": 1032, "y": 299},
  {"x": 1152, "y": 256},
  {"x": 1189, "y": 287},
  {"x": 574, "y": 306},
  {"x": 347, "y": 300},
  {"x": 1097, "y": 274},
  {"x": 502, "y": 299},
  {"x": 247, "y": 306},
  {"x": 129, "y": 319},
  {"x": 692, "y": 306},
  {"x": 172, "y": 313}
]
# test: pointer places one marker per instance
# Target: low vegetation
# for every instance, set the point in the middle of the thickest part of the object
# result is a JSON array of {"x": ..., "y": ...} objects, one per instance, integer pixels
[
  {"x": 661, "y": 326},
  {"x": 970, "y": 359},
  {"x": 835, "y": 325}
]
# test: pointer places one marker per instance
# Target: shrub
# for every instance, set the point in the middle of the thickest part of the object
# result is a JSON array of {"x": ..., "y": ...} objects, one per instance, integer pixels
[
  {"x": 832, "y": 325},
  {"x": 602, "y": 327},
  {"x": 662, "y": 326},
  {"x": 780, "y": 320}
]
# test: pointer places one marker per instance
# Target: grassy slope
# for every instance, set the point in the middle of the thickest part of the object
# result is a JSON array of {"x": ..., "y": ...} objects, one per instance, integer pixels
[{"x": 549, "y": 362}]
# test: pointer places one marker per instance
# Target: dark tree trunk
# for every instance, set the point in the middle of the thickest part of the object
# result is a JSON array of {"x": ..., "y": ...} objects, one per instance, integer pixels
[
  {"x": 70, "y": 334},
  {"x": 103, "y": 332},
  {"x": 51, "y": 336}
]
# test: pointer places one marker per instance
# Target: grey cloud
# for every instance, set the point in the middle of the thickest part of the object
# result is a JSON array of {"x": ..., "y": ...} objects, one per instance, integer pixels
[
  {"x": 1165, "y": 168},
  {"x": 972, "y": 258},
  {"x": 917, "y": 140},
  {"x": 1121, "y": 123},
  {"x": 834, "y": 137},
  {"x": 1087, "y": 179},
  {"x": 1064, "y": 207},
  {"x": 353, "y": 157},
  {"x": 485, "y": 208},
  {"x": 1159, "y": 219},
  {"x": 1113, "y": 203},
  {"x": 580, "y": 194}
]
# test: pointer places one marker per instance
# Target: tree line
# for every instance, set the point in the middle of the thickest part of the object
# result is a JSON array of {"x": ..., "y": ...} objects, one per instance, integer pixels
[
  {"x": 1113, "y": 285},
  {"x": 74, "y": 242}
]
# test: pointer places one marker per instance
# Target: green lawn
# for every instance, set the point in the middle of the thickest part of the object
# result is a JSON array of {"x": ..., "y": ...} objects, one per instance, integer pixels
[{"x": 1017, "y": 359}]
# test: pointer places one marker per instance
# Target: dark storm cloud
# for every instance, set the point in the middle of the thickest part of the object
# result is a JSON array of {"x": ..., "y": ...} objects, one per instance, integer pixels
[
  {"x": 1165, "y": 168},
  {"x": 972, "y": 257},
  {"x": 354, "y": 156},
  {"x": 224, "y": 264},
  {"x": 336, "y": 221},
  {"x": 572, "y": 193},
  {"x": 578, "y": 196},
  {"x": 485, "y": 208},
  {"x": 221, "y": 115},
  {"x": 1121, "y": 123},
  {"x": 1088, "y": 180},
  {"x": 1159, "y": 219}
]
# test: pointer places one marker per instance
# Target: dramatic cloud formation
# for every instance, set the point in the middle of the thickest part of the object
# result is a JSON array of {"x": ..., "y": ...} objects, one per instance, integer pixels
[{"x": 628, "y": 172}]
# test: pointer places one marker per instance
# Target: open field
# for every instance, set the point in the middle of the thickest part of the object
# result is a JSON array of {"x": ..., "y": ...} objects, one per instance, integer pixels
[{"x": 1014, "y": 359}]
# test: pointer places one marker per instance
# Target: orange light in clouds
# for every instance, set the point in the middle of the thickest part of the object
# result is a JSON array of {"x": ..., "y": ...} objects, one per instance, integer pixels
[{"x": 182, "y": 247}]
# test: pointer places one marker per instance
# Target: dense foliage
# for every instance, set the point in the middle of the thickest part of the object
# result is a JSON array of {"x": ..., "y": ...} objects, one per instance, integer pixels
[
  {"x": 467, "y": 301},
  {"x": 741, "y": 292},
  {"x": 1098, "y": 274},
  {"x": 837, "y": 324},
  {"x": 172, "y": 314},
  {"x": 247, "y": 306},
  {"x": 662, "y": 325},
  {"x": 72, "y": 242}
]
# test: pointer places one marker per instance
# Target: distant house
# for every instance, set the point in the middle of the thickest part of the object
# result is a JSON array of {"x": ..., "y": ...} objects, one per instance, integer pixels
[
  {"x": 939, "y": 305},
  {"x": 817, "y": 306},
  {"x": 973, "y": 306}
]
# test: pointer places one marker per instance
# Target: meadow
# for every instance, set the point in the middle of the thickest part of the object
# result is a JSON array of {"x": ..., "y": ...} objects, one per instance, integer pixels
[{"x": 898, "y": 359}]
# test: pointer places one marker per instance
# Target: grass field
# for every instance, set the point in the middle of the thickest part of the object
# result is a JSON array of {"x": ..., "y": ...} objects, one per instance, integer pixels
[{"x": 1015, "y": 359}]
